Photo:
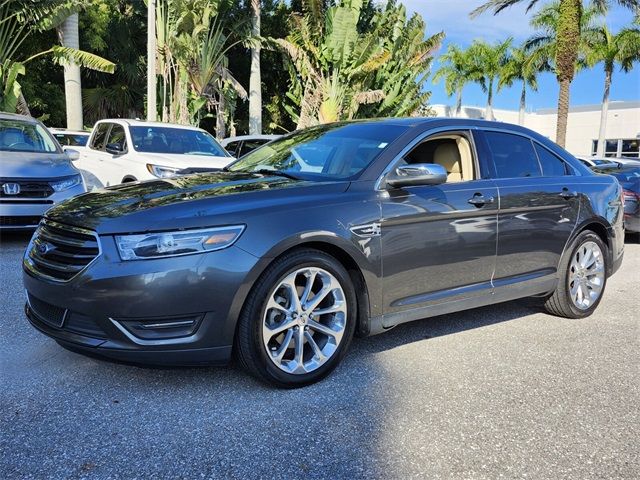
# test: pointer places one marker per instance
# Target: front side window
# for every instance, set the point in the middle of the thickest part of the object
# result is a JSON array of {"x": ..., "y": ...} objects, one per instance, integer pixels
[
  {"x": 232, "y": 148},
  {"x": 99, "y": 137},
  {"x": 452, "y": 151},
  {"x": 180, "y": 141},
  {"x": 513, "y": 155},
  {"x": 552, "y": 165},
  {"x": 250, "y": 145},
  {"x": 117, "y": 138},
  {"x": 338, "y": 151},
  {"x": 20, "y": 136}
]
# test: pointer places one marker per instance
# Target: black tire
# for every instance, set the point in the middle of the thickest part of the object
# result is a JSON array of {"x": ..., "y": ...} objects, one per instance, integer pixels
[
  {"x": 560, "y": 302},
  {"x": 249, "y": 348}
]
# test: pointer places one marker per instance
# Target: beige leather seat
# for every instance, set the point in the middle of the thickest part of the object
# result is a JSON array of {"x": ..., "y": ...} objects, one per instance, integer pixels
[{"x": 448, "y": 156}]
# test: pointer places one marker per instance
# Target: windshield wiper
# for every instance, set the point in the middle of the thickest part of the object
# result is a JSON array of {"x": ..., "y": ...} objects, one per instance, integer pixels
[{"x": 276, "y": 173}]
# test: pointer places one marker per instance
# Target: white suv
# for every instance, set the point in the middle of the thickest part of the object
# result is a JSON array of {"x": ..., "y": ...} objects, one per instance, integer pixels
[{"x": 122, "y": 151}]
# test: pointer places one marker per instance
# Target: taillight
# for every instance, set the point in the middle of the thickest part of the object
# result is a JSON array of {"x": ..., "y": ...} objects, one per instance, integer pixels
[{"x": 628, "y": 195}]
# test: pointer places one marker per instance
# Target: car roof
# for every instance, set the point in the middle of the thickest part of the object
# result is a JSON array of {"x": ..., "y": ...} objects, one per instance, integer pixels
[
  {"x": 17, "y": 116},
  {"x": 144, "y": 123},
  {"x": 72, "y": 132}
]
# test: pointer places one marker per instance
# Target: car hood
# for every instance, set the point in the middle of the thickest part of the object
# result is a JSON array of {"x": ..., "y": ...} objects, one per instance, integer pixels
[
  {"x": 17, "y": 165},
  {"x": 191, "y": 201},
  {"x": 185, "y": 161}
]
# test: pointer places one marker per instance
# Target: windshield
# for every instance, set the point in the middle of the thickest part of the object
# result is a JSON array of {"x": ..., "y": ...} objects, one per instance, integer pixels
[
  {"x": 337, "y": 151},
  {"x": 176, "y": 141},
  {"x": 19, "y": 136}
]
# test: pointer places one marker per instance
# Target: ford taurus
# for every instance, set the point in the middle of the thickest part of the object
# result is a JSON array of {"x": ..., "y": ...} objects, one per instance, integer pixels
[{"x": 334, "y": 231}]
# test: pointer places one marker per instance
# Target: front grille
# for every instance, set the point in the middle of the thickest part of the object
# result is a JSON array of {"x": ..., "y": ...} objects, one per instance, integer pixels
[
  {"x": 47, "y": 313},
  {"x": 28, "y": 189},
  {"x": 19, "y": 221},
  {"x": 60, "y": 252}
]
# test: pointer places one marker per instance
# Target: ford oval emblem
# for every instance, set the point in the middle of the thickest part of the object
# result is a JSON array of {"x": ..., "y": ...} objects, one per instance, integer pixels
[{"x": 44, "y": 248}]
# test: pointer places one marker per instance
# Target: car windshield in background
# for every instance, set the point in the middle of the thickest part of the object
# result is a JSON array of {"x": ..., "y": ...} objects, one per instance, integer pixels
[
  {"x": 337, "y": 151},
  {"x": 71, "y": 139},
  {"x": 180, "y": 141},
  {"x": 17, "y": 136}
]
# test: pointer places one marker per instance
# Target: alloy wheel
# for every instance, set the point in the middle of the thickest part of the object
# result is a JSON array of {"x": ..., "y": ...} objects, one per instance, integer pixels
[
  {"x": 304, "y": 320},
  {"x": 586, "y": 275}
]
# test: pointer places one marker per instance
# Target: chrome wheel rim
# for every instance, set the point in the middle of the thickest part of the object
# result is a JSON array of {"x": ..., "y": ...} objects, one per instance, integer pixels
[
  {"x": 304, "y": 320},
  {"x": 586, "y": 275}
]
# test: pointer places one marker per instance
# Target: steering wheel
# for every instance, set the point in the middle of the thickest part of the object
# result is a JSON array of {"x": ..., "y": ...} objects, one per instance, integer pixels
[{"x": 23, "y": 144}]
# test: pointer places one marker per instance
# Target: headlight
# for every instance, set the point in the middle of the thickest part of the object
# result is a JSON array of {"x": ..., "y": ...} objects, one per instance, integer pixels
[
  {"x": 171, "y": 244},
  {"x": 66, "y": 183},
  {"x": 162, "y": 172}
]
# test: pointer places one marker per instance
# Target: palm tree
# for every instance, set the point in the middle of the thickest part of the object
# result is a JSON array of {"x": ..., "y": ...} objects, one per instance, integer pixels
[
  {"x": 623, "y": 49},
  {"x": 455, "y": 71},
  {"x": 152, "y": 48},
  {"x": 255, "y": 81},
  {"x": 17, "y": 21},
  {"x": 523, "y": 66},
  {"x": 486, "y": 63},
  {"x": 568, "y": 43},
  {"x": 69, "y": 37}
]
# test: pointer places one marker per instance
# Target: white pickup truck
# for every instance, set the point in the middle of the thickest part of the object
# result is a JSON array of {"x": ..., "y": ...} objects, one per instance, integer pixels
[{"x": 122, "y": 151}]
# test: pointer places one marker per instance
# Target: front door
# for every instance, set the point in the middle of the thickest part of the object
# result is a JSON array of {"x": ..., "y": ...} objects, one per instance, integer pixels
[{"x": 439, "y": 241}]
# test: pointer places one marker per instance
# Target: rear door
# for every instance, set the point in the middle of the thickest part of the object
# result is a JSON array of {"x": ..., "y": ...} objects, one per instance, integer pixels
[{"x": 538, "y": 205}]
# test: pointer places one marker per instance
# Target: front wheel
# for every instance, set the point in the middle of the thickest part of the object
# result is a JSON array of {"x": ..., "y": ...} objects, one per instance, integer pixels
[
  {"x": 298, "y": 320},
  {"x": 583, "y": 277}
]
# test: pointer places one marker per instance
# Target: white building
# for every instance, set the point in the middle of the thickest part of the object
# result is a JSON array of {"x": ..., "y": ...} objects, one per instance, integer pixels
[{"x": 623, "y": 125}]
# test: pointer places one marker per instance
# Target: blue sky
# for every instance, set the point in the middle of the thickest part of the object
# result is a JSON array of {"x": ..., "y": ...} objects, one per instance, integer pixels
[{"x": 452, "y": 16}]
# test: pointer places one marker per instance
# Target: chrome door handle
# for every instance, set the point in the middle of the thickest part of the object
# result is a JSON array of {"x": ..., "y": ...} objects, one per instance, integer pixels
[{"x": 480, "y": 200}]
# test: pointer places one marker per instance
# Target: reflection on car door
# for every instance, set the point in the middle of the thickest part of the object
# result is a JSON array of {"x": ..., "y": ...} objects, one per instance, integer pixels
[
  {"x": 538, "y": 209},
  {"x": 439, "y": 241}
]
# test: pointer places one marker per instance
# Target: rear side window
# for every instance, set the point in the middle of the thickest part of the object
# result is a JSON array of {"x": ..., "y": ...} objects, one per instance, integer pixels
[
  {"x": 513, "y": 155},
  {"x": 97, "y": 142},
  {"x": 552, "y": 165}
]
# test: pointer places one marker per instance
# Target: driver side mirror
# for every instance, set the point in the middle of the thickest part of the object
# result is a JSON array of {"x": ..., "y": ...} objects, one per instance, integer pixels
[
  {"x": 417, "y": 174},
  {"x": 114, "y": 148},
  {"x": 72, "y": 154}
]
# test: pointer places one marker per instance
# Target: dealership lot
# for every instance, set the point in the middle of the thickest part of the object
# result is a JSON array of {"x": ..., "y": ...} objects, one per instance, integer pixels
[{"x": 500, "y": 391}]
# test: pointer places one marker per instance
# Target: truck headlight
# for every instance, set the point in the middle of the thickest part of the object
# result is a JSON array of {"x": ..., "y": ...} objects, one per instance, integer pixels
[
  {"x": 66, "y": 183},
  {"x": 170, "y": 244},
  {"x": 162, "y": 172}
]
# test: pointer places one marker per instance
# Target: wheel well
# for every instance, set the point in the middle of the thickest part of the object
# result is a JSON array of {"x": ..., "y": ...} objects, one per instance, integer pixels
[{"x": 359, "y": 284}]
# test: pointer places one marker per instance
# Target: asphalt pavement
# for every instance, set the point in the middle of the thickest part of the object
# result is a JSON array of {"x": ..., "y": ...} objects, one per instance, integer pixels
[{"x": 499, "y": 392}]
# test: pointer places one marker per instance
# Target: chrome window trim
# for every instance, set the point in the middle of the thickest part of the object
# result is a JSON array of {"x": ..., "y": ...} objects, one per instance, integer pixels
[{"x": 85, "y": 231}]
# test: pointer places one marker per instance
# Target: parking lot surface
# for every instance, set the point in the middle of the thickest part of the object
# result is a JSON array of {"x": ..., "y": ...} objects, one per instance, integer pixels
[{"x": 503, "y": 391}]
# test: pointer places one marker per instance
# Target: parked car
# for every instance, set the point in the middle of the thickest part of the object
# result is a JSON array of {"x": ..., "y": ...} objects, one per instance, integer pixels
[
  {"x": 121, "y": 151},
  {"x": 282, "y": 264},
  {"x": 35, "y": 173},
  {"x": 594, "y": 161},
  {"x": 75, "y": 139},
  {"x": 629, "y": 179},
  {"x": 243, "y": 144}
]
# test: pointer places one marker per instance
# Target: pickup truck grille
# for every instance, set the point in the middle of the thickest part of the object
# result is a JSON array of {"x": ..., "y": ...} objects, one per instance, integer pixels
[{"x": 59, "y": 252}]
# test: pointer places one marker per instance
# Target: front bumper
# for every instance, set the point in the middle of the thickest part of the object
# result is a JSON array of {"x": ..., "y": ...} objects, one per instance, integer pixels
[
  {"x": 119, "y": 309},
  {"x": 25, "y": 213}
]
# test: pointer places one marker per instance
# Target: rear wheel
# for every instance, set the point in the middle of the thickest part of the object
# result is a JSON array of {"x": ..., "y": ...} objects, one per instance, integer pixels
[
  {"x": 298, "y": 320},
  {"x": 583, "y": 277}
]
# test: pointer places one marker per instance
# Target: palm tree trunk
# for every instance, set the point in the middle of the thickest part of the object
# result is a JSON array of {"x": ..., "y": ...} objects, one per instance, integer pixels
[
  {"x": 567, "y": 44},
  {"x": 488, "y": 114},
  {"x": 458, "y": 102},
  {"x": 563, "y": 112},
  {"x": 605, "y": 109},
  {"x": 255, "y": 82},
  {"x": 151, "y": 61},
  {"x": 523, "y": 104},
  {"x": 221, "y": 128},
  {"x": 69, "y": 37}
]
